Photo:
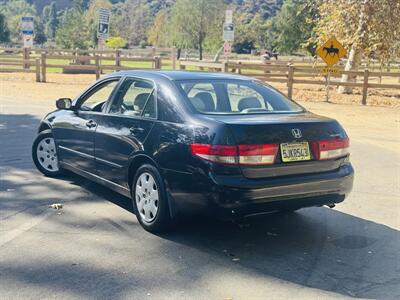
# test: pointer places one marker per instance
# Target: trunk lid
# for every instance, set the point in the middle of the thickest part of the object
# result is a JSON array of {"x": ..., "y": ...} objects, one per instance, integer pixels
[{"x": 278, "y": 129}]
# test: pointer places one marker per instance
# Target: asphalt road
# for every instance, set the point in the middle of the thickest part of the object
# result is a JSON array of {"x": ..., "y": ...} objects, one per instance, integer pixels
[{"x": 95, "y": 248}]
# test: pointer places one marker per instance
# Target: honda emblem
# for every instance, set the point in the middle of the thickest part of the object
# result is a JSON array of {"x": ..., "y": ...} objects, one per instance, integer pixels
[{"x": 297, "y": 133}]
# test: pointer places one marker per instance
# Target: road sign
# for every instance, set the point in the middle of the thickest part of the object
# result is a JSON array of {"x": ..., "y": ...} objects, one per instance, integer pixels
[
  {"x": 331, "y": 51},
  {"x": 228, "y": 35},
  {"x": 27, "y": 25},
  {"x": 104, "y": 20},
  {"x": 327, "y": 70},
  {"x": 228, "y": 16},
  {"x": 227, "y": 48}
]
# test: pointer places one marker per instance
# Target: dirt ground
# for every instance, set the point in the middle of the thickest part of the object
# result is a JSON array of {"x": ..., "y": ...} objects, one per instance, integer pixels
[{"x": 63, "y": 85}]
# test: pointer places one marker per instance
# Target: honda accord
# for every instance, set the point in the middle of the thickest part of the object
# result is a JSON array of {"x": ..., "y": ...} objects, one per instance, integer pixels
[{"x": 179, "y": 142}]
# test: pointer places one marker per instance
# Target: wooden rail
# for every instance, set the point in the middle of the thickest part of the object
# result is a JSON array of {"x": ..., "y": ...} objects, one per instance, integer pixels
[{"x": 291, "y": 75}]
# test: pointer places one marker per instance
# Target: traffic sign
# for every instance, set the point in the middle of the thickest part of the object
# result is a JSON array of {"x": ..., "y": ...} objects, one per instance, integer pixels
[
  {"x": 228, "y": 16},
  {"x": 27, "y": 26},
  {"x": 104, "y": 20},
  {"x": 227, "y": 48},
  {"x": 331, "y": 51},
  {"x": 228, "y": 34}
]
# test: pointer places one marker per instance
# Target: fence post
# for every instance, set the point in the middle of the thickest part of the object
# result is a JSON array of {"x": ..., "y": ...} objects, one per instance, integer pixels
[
  {"x": 43, "y": 63},
  {"x": 290, "y": 81},
  {"x": 239, "y": 68},
  {"x": 26, "y": 63},
  {"x": 118, "y": 58},
  {"x": 37, "y": 69},
  {"x": 96, "y": 62},
  {"x": 173, "y": 57},
  {"x": 224, "y": 66},
  {"x": 181, "y": 66},
  {"x": 157, "y": 62},
  {"x": 365, "y": 87}
]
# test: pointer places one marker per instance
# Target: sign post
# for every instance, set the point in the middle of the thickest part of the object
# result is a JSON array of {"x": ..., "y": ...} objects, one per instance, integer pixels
[
  {"x": 228, "y": 33},
  {"x": 103, "y": 28},
  {"x": 331, "y": 52},
  {"x": 27, "y": 30}
]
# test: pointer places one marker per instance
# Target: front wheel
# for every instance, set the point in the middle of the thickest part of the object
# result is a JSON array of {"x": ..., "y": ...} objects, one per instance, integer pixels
[
  {"x": 149, "y": 200},
  {"x": 44, "y": 154}
]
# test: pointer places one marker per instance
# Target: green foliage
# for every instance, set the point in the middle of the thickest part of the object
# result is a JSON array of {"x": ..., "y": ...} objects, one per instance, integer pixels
[
  {"x": 73, "y": 31},
  {"x": 291, "y": 29},
  {"x": 49, "y": 20},
  {"x": 4, "y": 32},
  {"x": 197, "y": 24},
  {"x": 13, "y": 11},
  {"x": 157, "y": 35},
  {"x": 116, "y": 42}
]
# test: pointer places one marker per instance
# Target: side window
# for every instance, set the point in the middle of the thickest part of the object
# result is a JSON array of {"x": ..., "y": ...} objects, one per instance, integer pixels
[
  {"x": 242, "y": 97},
  {"x": 202, "y": 96},
  {"x": 95, "y": 100},
  {"x": 135, "y": 97}
]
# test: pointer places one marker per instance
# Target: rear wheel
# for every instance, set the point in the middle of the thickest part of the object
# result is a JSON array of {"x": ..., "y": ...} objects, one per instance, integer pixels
[
  {"x": 149, "y": 200},
  {"x": 44, "y": 154}
]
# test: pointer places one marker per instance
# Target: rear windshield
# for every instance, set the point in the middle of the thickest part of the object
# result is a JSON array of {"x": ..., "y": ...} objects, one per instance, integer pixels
[{"x": 235, "y": 97}]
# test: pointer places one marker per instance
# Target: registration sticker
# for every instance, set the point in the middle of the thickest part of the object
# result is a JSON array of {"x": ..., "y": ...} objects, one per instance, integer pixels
[{"x": 295, "y": 152}]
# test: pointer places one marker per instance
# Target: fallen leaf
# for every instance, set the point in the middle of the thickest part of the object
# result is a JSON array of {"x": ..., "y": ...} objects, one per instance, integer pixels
[{"x": 56, "y": 206}]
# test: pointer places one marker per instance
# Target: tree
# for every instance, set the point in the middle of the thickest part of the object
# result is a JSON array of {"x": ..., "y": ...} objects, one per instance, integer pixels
[
  {"x": 157, "y": 32},
  {"x": 73, "y": 31},
  {"x": 134, "y": 21},
  {"x": 49, "y": 19},
  {"x": 194, "y": 23},
  {"x": 367, "y": 28},
  {"x": 292, "y": 27},
  {"x": 4, "y": 32},
  {"x": 13, "y": 11}
]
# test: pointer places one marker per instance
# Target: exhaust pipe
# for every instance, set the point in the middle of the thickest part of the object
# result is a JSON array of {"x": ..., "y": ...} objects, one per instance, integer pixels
[{"x": 331, "y": 205}]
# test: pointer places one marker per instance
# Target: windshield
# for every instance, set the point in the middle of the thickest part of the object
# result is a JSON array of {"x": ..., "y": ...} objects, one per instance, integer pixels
[{"x": 235, "y": 97}]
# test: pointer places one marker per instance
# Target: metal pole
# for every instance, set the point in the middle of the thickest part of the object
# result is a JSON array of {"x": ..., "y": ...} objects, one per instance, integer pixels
[{"x": 328, "y": 81}]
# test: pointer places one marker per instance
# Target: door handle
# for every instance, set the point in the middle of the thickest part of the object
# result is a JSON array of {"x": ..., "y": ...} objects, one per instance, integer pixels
[
  {"x": 91, "y": 124},
  {"x": 136, "y": 130}
]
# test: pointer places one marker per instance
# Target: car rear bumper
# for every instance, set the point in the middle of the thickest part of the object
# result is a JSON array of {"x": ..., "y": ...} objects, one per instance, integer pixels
[
  {"x": 230, "y": 196},
  {"x": 243, "y": 197}
]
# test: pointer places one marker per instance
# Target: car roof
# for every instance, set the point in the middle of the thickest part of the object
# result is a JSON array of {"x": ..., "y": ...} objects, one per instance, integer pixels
[{"x": 179, "y": 75}]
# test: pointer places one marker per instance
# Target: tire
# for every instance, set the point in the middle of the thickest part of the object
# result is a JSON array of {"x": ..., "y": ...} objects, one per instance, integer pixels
[
  {"x": 150, "y": 202},
  {"x": 44, "y": 155}
]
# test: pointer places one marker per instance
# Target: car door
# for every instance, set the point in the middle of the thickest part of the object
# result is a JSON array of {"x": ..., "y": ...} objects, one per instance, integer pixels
[
  {"x": 75, "y": 131},
  {"x": 122, "y": 131}
]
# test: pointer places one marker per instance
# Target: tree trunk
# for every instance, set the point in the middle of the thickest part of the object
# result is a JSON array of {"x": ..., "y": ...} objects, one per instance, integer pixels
[
  {"x": 351, "y": 65},
  {"x": 355, "y": 54},
  {"x": 200, "y": 49}
]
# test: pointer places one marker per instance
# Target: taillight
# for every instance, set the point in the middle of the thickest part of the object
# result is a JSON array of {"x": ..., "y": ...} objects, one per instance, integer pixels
[
  {"x": 242, "y": 154},
  {"x": 328, "y": 149},
  {"x": 257, "y": 154}
]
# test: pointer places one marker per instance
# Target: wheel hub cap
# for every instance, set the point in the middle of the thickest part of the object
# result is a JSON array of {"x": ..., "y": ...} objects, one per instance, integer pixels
[
  {"x": 146, "y": 197},
  {"x": 47, "y": 155}
]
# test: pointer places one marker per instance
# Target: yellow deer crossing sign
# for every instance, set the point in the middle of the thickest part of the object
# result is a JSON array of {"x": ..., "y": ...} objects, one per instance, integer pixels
[{"x": 331, "y": 51}]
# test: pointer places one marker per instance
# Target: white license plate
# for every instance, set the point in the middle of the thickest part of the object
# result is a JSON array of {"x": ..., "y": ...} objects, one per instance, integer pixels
[{"x": 295, "y": 152}]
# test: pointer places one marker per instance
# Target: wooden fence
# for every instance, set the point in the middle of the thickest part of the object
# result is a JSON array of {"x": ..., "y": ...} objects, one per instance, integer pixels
[
  {"x": 97, "y": 63},
  {"x": 41, "y": 61},
  {"x": 291, "y": 75}
]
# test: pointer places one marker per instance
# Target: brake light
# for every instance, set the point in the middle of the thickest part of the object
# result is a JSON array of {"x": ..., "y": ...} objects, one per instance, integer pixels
[
  {"x": 242, "y": 154},
  {"x": 329, "y": 149},
  {"x": 257, "y": 154}
]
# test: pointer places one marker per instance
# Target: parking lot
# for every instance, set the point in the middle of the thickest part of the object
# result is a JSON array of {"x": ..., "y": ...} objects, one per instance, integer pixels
[{"x": 94, "y": 247}]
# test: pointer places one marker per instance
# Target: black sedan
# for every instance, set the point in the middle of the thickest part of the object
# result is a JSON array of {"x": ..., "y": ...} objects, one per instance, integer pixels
[{"x": 180, "y": 142}]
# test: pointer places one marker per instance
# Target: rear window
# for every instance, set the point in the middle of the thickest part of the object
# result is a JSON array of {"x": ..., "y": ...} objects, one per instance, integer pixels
[{"x": 235, "y": 97}]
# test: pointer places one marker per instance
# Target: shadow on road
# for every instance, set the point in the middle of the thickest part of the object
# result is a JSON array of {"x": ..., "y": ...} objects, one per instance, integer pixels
[{"x": 319, "y": 248}]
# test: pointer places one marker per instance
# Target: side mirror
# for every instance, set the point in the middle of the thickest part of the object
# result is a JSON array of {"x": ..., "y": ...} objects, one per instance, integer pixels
[{"x": 64, "y": 103}]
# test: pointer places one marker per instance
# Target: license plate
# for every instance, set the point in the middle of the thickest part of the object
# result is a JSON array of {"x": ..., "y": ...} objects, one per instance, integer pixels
[{"x": 295, "y": 152}]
